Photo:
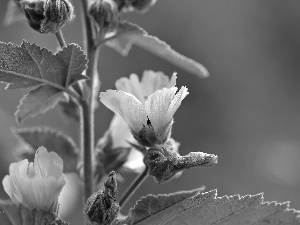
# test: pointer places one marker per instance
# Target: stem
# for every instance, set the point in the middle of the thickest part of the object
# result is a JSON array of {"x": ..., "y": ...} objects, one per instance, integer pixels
[
  {"x": 87, "y": 142},
  {"x": 133, "y": 187},
  {"x": 88, "y": 32},
  {"x": 60, "y": 38},
  {"x": 88, "y": 108},
  {"x": 87, "y": 121}
]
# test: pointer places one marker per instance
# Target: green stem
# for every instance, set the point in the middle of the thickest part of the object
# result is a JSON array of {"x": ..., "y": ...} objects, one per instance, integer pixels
[
  {"x": 88, "y": 31},
  {"x": 133, "y": 187},
  {"x": 87, "y": 142},
  {"x": 60, "y": 38},
  {"x": 88, "y": 111},
  {"x": 88, "y": 108}
]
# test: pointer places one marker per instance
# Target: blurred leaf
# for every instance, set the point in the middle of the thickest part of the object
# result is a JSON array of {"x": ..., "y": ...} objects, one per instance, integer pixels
[
  {"x": 46, "y": 96},
  {"x": 119, "y": 42},
  {"x": 52, "y": 140},
  {"x": 69, "y": 111},
  {"x": 131, "y": 34},
  {"x": 14, "y": 13},
  {"x": 29, "y": 66},
  {"x": 207, "y": 208}
]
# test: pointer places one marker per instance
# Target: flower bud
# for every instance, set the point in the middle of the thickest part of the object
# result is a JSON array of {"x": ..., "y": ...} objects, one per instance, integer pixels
[
  {"x": 102, "y": 206},
  {"x": 106, "y": 15},
  {"x": 160, "y": 161},
  {"x": 47, "y": 15},
  {"x": 165, "y": 163}
]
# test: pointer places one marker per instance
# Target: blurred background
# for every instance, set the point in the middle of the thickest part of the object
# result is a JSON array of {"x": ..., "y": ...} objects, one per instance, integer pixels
[{"x": 247, "y": 112}]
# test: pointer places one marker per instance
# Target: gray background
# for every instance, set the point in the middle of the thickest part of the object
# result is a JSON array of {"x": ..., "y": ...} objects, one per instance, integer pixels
[{"x": 246, "y": 112}]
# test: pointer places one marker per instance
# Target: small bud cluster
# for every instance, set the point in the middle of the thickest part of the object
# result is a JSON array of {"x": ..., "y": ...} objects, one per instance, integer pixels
[
  {"x": 47, "y": 15},
  {"x": 106, "y": 15}
]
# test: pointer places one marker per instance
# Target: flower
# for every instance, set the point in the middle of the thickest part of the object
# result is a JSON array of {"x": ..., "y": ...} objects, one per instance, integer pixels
[
  {"x": 149, "y": 115},
  {"x": 36, "y": 185}
]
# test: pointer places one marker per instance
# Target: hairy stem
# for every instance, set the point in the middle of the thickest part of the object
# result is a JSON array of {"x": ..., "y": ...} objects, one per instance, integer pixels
[
  {"x": 60, "y": 38},
  {"x": 133, "y": 187}
]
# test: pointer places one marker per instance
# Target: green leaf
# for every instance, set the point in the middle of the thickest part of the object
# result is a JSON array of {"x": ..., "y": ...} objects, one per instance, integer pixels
[
  {"x": 207, "y": 208},
  {"x": 28, "y": 66},
  {"x": 130, "y": 34},
  {"x": 52, "y": 140}
]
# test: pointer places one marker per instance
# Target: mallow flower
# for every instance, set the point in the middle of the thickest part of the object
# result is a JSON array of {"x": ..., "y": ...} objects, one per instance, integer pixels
[
  {"x": 147, "y": 106},
  {"x": 36, "y": 185}
]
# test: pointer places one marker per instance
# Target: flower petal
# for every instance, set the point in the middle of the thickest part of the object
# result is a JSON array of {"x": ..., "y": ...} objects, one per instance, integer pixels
[
  {"x": 48, "y": 163},
  {"x": 153, "y": 81},
  {"x": 182, "y": 93},
  {"x": 7, "y": 186},
  {"x": 127, "y": 106},
  {"x": 16, "y": 170},
  {"x": 40, "y": 192},
  {"x": 157, "y": 106},
  {"x": 132, "y": 86},
  {"x": 120, "y": 133},
  {"x": 150, "y": 82},
  {"x": 135, "y": 161}
]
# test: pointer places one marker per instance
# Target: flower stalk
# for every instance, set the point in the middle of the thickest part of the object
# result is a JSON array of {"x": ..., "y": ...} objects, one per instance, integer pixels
[
  {"x": 60, "y": 38},
  {"x": 133, "y": 187}
]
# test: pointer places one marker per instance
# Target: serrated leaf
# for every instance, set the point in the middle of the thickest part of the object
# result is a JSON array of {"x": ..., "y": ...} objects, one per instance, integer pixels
[
  {"x": 52, "y": 140},
  {"x": 28, "y": 66},
  {"x": 207, "y": 208},
  {"x": 134, "y": 35},
  {"x": 38, "y": 101}
]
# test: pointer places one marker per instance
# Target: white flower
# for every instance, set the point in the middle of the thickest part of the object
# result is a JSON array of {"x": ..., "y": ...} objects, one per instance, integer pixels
[
  {"x": 149, "y": 116},
  {"x": 36, "y": 185}
]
